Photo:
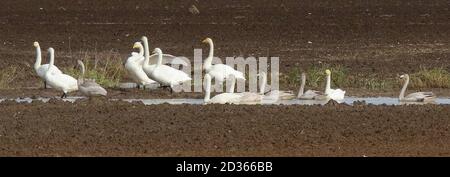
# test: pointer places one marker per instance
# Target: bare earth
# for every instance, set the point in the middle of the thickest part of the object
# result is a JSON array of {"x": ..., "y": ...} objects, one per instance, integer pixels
[{"x": 383, "y": 37}]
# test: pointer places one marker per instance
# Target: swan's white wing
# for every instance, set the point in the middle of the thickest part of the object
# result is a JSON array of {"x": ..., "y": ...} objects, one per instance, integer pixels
[
  {"x": 167, "y": 75},
  {"x": 281, "y": 95},
  {"x": 313, "y": 95},
  {"x": 91, "y": 90},
  {"x": 62, "y": 82},
  {"x": 420, "y": 96},
  {"x": 222, "y": 72},
  {"x": 136, "y": 72},
  {"x": 42, "y": 70},
  {"x": 225, "y": 98},
  {"x": 336, "y": 94}
]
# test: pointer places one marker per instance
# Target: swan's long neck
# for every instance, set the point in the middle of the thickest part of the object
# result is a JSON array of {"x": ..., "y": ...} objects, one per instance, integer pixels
[
  {"x": 141, "y": 51},
  {"x": 160, "y": 57},
  {"x": 328, "y": 85},
  {"x": 405, "y": 85},
  {"x": 81, "y": 77},
  {"x": 208, "y": 61},
  {"x": 233, "y": 83},
  {"x": 302, "y": 87},
  {"x": 52, "y": 60},
  {"x": 262, "y": 86},
  {"x": 146, "y": 52},
  {"x": 37, "y": 64},
  {"x": 207, "y": 89}
]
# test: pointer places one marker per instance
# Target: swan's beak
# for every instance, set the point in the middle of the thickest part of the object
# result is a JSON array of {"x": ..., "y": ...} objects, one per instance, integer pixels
[
  {"x": 36, "y": 44},
  {"x": 402, "y": 76},
  {"x": 135, "y": 46},
  {"x": 328, "y": 72}
]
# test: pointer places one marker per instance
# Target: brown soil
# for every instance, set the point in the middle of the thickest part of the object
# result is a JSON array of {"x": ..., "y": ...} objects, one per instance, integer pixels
[
  {"x": 102, "y": 128},
  {"x": 382, "y": 37}
]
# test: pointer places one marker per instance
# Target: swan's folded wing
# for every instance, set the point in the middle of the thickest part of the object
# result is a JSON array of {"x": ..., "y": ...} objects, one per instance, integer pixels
[{"x": 168, "y": 59}]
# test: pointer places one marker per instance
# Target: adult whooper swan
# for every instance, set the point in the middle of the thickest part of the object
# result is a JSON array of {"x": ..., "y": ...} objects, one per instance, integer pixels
[
  {"x": 248, "y": 97},
  {"x": 59, "y": 81},
  {"x": 309, "y": 94},
  {"x": 134, "y": 68},
  {"x": 233, "y": 98},
  {"x": 167, "y": 58},
  {"x": 89, "y": 87},
  {"x": 220, "y": 72},
  {"x": 273, "y": 94},
  {"x": 42, "y": 69},
  {"x": 335, "y": 94},
  {"x": 414, "y": 97},
  {"x": 166, "y": 75}
]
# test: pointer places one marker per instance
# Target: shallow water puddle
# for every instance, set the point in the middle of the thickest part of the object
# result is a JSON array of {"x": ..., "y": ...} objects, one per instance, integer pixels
[{"x": 348, "y": 100}]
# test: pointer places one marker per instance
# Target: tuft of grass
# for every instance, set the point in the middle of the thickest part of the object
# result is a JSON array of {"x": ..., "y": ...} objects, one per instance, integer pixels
[
  {"x": 316, "y": 77},
  {"x": 430, "y": 78},
  {"x": 8, "y": 75},
  {"x": 106, "y": 68}
]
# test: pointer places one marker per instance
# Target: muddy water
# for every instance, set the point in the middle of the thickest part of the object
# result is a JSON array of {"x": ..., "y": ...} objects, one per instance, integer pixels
[{"x": 348, "y": 100}]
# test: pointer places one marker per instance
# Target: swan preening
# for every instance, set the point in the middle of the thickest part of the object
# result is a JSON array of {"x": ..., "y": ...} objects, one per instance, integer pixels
[
  {"x": 59, "y": 81},
  {"x": 335, "y": 94},
  {"x": 89, "y": 87},
  {"x": 414, "y": 97},
  {"x": 41, "y": 70},
  {"x": 310, "y": 94},
  {"x": 220, "y": 72}
]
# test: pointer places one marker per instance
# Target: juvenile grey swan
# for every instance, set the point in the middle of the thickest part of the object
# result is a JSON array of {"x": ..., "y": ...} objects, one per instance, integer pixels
[
  {"x": 309, "y": 94},
  {"x": 414, "y": 97},
  {"x": 89, "y": 87}
]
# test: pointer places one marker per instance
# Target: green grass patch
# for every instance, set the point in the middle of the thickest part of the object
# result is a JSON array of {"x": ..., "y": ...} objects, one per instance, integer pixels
[{"x": 106, "y": 68}]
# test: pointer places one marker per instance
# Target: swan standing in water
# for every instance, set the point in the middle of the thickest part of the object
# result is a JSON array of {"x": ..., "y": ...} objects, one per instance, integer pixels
[
  {"x": 42, "y": 69},
  {"x": 59, "y": 81},
  {"x": 310, "y": 94},
  {"x": 273, "y": 94},
  {"x": 414, "y": 97},
  {"x": 165, "y": 75},
  {"x": 89, "y": 87},
  {"x": 335, "y": 94},
  {"x": 219, "y": 72},
  {"x": 134, "y": 67},
  {"x": 233, "y": 98}
]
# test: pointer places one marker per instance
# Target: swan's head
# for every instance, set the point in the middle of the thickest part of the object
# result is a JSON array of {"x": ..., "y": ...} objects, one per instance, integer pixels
[
  {"x": 137, "y": 45},
  {"x": 144, "y": 38},
  {"x": 303, "y": 75},
  {"x": 51, "y": 50},
  {"x": 328, "y": 72},
  {"x": 36, "y": 44},
  {"x": 207, "y": 40},
  {"x": 157, "y": 51},
  {"x": 404, "y": 76}
]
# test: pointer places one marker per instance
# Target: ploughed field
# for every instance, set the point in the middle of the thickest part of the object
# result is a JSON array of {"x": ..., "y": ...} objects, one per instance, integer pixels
[{"x": 379, "y": 39}]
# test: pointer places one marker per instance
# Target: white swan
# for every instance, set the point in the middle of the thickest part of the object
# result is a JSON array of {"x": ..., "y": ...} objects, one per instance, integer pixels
[
  {"x": 134, "y": 67},
  {"x": 165, "y": 75},
  {"x": 149, "y": 66},
  {"x": 220, "y": 72},
  {"x": 89, "y": 87},
  {"x": 310, "y": 94},
  {"x": 414, "y": 97},
  {"x": 233, "y": 98},
  {"x": 42, "y": 69},
  {"x": 273, "y": 94},
  {"x": 335, "y": 94},
  {"x": 59, "y": 81}
]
